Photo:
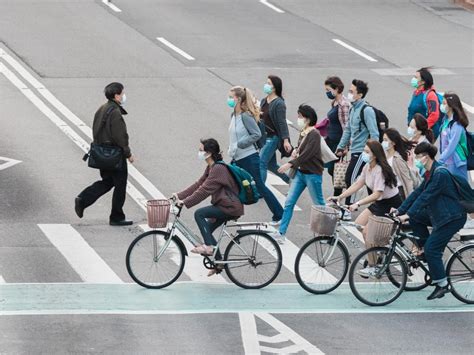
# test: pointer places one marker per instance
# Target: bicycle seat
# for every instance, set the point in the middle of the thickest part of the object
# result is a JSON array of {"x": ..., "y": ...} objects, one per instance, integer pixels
[{"x": 467, "y": 237}]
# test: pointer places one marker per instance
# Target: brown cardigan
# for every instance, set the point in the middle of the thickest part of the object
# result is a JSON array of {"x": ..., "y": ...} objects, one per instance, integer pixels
[
  {"x": 309, "y": 153},
  {"x": 217, "y": 182}
]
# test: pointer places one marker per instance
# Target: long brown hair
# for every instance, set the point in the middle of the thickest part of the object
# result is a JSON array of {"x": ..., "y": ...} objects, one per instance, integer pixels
[
  {"x": 381, "y": 160},
  {"x": 247, "y": 101},
  {"x": 400, "y": 143},
  {"x": 455, "y": 103},
  {"x": 421, "y": 124}
]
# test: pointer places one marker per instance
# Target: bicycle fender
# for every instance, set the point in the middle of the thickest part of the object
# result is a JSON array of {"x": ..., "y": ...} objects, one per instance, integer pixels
[{"x": 180, "y": 245}]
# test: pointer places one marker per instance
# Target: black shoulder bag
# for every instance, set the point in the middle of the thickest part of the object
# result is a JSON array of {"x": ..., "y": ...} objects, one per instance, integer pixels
[{"x": 105, "y": 156}]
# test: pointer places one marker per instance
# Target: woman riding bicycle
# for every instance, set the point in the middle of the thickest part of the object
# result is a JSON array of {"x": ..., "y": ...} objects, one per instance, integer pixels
[
  {"x": 218, "y": 183},
  {"x": 434, "y": 203}
]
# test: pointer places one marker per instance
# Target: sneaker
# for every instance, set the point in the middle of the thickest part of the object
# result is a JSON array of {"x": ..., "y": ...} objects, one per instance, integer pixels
[
  {"x": 347, "y": 216},
  {"x": 275, "y": 223},
  {"x": 368, "y": 271},
  {"x": 281, "y": 239}
]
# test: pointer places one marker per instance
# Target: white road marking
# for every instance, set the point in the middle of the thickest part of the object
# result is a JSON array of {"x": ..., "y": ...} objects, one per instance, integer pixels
[
  {"x": 2, "y": 280},
  {"x": 275, "y": 180},
  {"x": 355, "y": 50},
  {"x": 249, "y": 333},
  {"x": 176, "y": 49},
  {"x": 112, "y": 6},
  {"x": 83, "y": 259},
  {"x": 271, "y": 6},
  {"x": 468, "y": 107},
  {"x": 194, "y": 267},
  {"x": 9, "y": 162}
]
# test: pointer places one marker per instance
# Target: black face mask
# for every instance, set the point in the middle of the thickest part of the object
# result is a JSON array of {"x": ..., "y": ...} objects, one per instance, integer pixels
[{"x": 330, "y": 95}]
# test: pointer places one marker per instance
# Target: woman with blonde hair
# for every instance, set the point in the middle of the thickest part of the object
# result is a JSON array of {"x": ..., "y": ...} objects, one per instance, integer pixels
[{"x": 244, "y": 134}]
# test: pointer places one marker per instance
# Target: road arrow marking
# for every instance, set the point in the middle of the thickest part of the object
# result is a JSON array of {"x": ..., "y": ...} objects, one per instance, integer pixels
[{"x": 8, "y": 163}]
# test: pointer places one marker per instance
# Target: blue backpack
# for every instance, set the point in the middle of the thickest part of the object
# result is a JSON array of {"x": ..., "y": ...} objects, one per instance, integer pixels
[{"x": 248, "y": 193}]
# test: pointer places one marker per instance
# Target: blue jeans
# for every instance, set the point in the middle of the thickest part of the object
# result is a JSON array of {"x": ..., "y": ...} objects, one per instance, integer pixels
[
  {"x": 314, "y": 184},
  {"x": 208, "y": 220},
  {"x": 435, "y": 243},
  {"x": 268, "y": 159},
  {"x": 252, "y": 165}
]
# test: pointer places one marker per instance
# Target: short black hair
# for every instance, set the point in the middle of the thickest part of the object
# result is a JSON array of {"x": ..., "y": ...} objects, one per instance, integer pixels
[
  {"x": 113, "y": 89},
  {"x": 212, "y": 146},
  {"x": 335, "y": 83},
  {"x": 426, "y": 76},
  {"x": 361, "y": 87},
  {"x": 308, "y": 112},
  {"x": 277, "y": 84},
  {"x": 427, "y": 149}
]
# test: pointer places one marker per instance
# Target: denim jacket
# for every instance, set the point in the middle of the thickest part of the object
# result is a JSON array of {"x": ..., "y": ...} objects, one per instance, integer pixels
[{"x": 436, "y": 198}]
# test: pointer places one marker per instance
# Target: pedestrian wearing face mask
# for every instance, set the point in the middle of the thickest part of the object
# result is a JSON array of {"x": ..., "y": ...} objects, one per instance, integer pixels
[
  {"x": 453, "y": 143},
  {"x": 109, "y": 128},
  {"x": 397, "y": 149},
  {"x": 338, "y": 116},
  {"x": 381, "y": 182},
  {"x": 217, "y": 183},
  {"x": 424, "y": 100},
  {"x": 243, "y": 136},
  {"x": 356, "y": 135},
  {"x": 418, "y": 132},
  {"x": 273, "y": 114},
  {"x": 308, "y": 168}
]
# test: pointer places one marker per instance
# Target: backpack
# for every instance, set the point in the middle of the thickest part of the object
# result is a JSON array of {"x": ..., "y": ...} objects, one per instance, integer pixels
[
  {"x": 470, "y": 150},
  {"x": 380, "y": 117},
  {"x": 466, "y": 193},
  {"x": 437, "y": 126},
  {"x": 248, "y": 193}
]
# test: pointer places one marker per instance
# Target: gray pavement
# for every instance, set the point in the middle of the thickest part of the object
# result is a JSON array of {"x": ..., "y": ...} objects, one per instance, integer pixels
[{"x": 75, "y": 48}]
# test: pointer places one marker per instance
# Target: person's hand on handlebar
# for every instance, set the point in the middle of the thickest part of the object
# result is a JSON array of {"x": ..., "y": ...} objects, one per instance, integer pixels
[
  {"x": 334, "y": 199},
  {"x": 393, "y": 212},
  {"x": 176, "y": 200}
]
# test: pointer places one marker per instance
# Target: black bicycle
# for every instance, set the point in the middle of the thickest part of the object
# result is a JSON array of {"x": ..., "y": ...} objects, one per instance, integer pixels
[{"x": 393, "y": 265}]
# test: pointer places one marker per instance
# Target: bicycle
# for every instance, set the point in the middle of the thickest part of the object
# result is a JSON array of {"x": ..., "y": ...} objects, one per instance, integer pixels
[
  {"x": 252, "y": 258},
  {"x": 389, "y": 277},
  {"x": 322, "y": 262}
]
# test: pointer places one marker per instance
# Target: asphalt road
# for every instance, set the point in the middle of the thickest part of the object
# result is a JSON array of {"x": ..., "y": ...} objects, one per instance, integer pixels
[{"x": 63, "y": 282}]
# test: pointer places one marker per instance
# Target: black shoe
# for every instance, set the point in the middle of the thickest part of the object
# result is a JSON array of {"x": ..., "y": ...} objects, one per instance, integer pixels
[
  {"x": 78, "y": 207},
  {"x": 438, "y": 292},
  {"x": 123, "y": 222}
]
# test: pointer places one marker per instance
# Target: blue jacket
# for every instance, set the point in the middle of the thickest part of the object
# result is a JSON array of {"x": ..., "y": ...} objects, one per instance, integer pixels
[
  {"x": 357, "y": 133},
  {"x": 436, "y": 198}
]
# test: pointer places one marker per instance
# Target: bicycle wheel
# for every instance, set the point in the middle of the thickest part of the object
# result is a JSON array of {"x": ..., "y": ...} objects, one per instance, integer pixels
[
  {"x": 321, "y": 265},
  {"x": 418, "y": 277},
  {"x": 377, "y": 288},
  {"x": 460, "y": 272},
  {"x": 155, "y": 261},
  {"x": 253, "y": 260}
]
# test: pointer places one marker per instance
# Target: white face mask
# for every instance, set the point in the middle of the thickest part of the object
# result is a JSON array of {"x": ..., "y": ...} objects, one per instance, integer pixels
[
  {"x": 411, "y": 132},
  {"x": 124, "y": 98},
  {"x": 202, "y": 155},
  {"x": 350, "y": 97},
  {"x": 385, "y": 145},
  {"x": 301, "y": 123}
]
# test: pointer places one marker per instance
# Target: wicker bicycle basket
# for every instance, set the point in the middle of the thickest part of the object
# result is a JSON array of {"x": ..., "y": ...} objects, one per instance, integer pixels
[
  {"x": 379, "y": 230},
  {"x": 323, "y": 220},
  {"x": 158, "y": 213}
]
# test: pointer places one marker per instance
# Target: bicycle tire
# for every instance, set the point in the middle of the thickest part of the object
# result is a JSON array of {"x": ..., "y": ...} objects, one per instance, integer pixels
[
  {"x": 239, "y": 265},
  {"x": 467, "y": 260},
  {"x": 319, "y": 274},
  {"x": 138, "y": 254},
  {"x": 357, "y": 288}
]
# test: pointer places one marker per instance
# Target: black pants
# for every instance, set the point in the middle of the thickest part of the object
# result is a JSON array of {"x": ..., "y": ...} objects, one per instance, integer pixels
[
  {"x": 110, "y": 179},
  {"x": 353, "y": 171}
]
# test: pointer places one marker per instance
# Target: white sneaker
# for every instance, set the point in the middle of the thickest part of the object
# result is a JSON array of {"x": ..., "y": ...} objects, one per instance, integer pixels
[
  {"x": 347, "y": 216},
  {"x": 368, "y": 271},
  {"x": 281, "y": 239},
  {"x": 275, "y": 223}
]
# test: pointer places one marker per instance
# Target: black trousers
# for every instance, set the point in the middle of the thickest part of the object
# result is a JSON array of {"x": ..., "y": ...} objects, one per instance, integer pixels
[
  {"x": 110, "y": 179},
  {"x": 353, "y": 171}
]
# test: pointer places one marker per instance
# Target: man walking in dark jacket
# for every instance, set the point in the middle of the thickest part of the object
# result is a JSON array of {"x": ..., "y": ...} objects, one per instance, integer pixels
[{"x": 109, "y": 127}]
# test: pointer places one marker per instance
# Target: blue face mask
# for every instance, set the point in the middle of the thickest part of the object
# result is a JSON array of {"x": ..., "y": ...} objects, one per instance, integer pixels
[
  {"x": 330, "y": 95},
  {"x": 419, "y": 164},
  {"x": 414, "y": 82},
  {"x": 365, "y": 157},
  {"x": 267, "y": 89},
  {"x": 443, "y": 108},
  {"x": 231, "y": 102}
]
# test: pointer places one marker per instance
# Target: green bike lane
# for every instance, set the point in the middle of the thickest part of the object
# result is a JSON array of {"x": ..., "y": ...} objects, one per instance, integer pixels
[{"x": 200, "y": 298}]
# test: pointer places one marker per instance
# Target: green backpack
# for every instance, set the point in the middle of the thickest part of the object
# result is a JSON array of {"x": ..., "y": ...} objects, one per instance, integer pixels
[{"x": 248, "y": 193}]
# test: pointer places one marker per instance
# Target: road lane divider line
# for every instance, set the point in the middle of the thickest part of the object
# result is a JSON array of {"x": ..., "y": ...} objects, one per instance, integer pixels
[
  {"x": 2, "y": 280},
  {"x": 194, "y": 267},
  {"x": 271, "y": 6},
  {"x": 9, "y": 163},
  {"x": 174, "y": 48},
  {"x": 110, "y": 5},
  {"x": 249, "y": 333},
  {"x": 79, "y": 254},
  {"x": 355, "y": 50}
]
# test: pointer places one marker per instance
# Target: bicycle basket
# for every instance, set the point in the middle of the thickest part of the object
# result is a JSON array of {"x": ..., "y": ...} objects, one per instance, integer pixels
[
  {"x": 158, "y": 213},
  {"x": 379, "y": 231},
  {"x": 323, "y": 220}
]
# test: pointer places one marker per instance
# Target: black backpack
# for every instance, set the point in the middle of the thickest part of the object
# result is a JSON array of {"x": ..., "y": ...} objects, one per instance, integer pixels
[
  {"x": 470, "y": 150},
  {"x": 381, "y": 118}
]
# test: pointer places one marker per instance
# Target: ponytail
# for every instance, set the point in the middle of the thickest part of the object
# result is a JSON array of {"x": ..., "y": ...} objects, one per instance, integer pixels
[{"x": 248, "y": 102}]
